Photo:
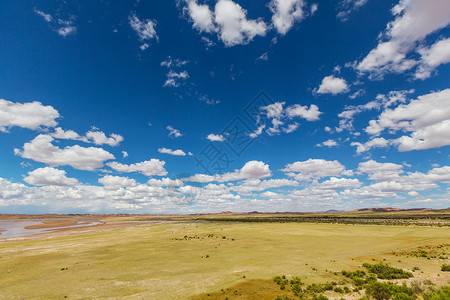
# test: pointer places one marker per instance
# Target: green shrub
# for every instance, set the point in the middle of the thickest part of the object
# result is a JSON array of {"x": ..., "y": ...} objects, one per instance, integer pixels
[
  {"x": 434, "y": 294},
  {"x": 389, "y": 290},
  {"x": 445, "y": 268},
  {"x": 386, "y": 272}
]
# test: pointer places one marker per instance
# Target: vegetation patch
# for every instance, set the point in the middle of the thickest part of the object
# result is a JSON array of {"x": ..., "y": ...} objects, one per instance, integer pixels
[{"x": 386, "y": 272}]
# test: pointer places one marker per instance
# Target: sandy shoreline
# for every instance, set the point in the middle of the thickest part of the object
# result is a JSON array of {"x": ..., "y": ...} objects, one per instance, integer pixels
[{"x": 58, "y": 228}]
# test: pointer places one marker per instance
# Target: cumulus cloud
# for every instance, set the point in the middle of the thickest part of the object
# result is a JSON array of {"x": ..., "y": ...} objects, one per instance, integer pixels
[
  {"x": 177, "y": 152},
  {"x": 310, "y": 114},
  {"x": 251, "y": 169},
  {"x": 229, "y": 20},
  {"x": 332, "y": 85},
  {"x": 414, "y": 21},
  {"x": 286, "y": 13},
  {"x": 427, "y": 117},
  {"x": 281, "y": 119},
  {"x": 313, "y": 169},
  {"x": 234, "y": 27},
  {"x": 42, "y": 150},
  {"x": 93, "y": 136},
  {"x": 381, "y": 101},
  {"x": 49, "y": 176},
  {"x": 30, "y": 115},
  {"x": 201, "y": 16},
  {"x": 174, "y": 132},
  {"x": 328, "y": 143},
  {"x": 381, "y": 171},
  {"x": 116, "y": 181},
  {"x": 99, "y": 138},
  {"x": 215, "y": 137},
  {"x": 432, "y": 57},
  {"x": 373, "y": 143},
  {"x": 150, "y": 167}
]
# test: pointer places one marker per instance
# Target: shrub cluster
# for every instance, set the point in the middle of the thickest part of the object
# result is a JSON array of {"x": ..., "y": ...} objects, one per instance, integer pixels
[
  {"x": 389, "y": 290},
  {"x": 386, "y": 272}
]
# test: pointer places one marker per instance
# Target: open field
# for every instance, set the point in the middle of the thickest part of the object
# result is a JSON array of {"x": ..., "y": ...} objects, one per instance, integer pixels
[{"x": 191, "y": 259}]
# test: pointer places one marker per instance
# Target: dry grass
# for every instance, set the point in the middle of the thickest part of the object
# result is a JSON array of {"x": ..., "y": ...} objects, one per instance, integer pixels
[{"x": 158, "y": 262}]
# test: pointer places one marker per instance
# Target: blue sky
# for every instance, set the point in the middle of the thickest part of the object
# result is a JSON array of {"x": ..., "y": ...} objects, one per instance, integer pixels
[{"x": 207, "y": 106}]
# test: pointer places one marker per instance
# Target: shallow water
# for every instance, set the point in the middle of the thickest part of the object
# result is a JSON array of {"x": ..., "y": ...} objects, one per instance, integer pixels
[{"x": 14, "y": 228}]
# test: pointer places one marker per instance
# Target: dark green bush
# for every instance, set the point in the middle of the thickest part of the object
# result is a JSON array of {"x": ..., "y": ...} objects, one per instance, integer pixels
[
  {"x": 445, "y": 268},
  {"x": 386, "y": 272},
  {"x": 389, "y": 290},
  {"x": 437, "y": 294}
]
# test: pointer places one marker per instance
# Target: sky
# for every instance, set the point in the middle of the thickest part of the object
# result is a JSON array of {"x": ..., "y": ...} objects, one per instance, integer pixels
[{"x": 203, "y": 106}]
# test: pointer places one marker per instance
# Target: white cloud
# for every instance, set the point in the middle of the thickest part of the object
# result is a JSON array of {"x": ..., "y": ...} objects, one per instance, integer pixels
[
  {"x": 415, "y": 20},
  {"x": 174, "y": 78},
  {"x": 251, "y": 169},
  {"x": 30, "y": 115},
  {"x": 215, "y": 137},
  {"x": 62, "y": 27},
  {"x": 66, "y": 28},
  {"x": 263, "y": 57},
  {"x": 62, "y": 134},
  {"x": 170, "y": 63},
  {"x": 145, "y": 29},
  {"x": 373, "y": 143},
  {"x": 202, "y": 16},
  {"x": 427, "y": 117},
  {"x": 281, "y": 119},
  {"x": 274, "y": 110},
  {"x": 313, "y": 169},
  {"x": 49, "y": 176},
  {"x": 92, "y": 136},
  {"x": 42, "y": 150},
  {"x": 165, "y": 182},
  {"x": 234, "y": 27},
  {"x": 333, "y": 85},
  {"x": 348, "y": 6},
  {"x": 381, "y": 101},
  {"x": 291, "y": 127},
  {"x": 338, "y": 184},
  {"x": 149, "y": 168},
  {"x": 229, "y": 20},
  {"x": 177, "y": 152},
  {"x": 310, "y": 114},
  {"x": 47, "y": 17},
  {"x": 258, "y": 131},
  {"x": 117, "y": 181},
  {"x": 432, "y": 57},
  {"x": 124, "y": 154},
  {"x": 433, "y": 136},
  {"x": 99, "y": 138},
  {"x": 381, "y": 171},
  {"x": 174, "y": 132},
  {"x": 286, "y": 13},
  {"x": 328, "y": 143}
]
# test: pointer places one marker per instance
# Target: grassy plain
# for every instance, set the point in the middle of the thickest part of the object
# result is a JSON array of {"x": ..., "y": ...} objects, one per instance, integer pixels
[{"x": 187, "y": 259}]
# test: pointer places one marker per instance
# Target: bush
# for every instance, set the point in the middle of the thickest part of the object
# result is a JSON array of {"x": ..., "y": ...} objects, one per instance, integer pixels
[
  {"x": 386, "y": 272},
  {"x": 445, "y": 268},
  {"x": 441, "y": 294},
  {"x": 320, "y": 297},
  {"x": 389, "y": 290}
]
